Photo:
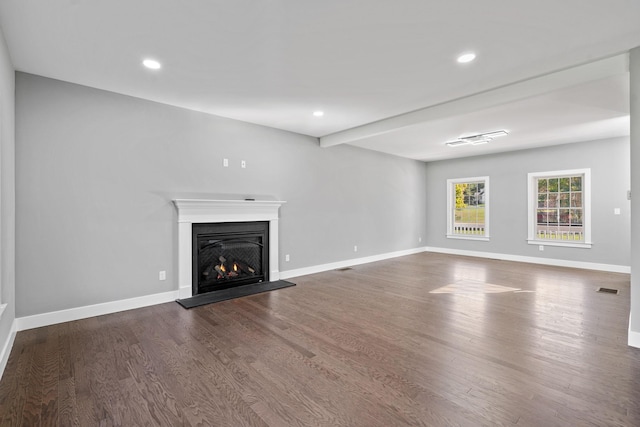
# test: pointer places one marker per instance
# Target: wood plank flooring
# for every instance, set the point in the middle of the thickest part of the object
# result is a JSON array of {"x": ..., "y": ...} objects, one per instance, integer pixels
[{"x": 370, "y": 346}]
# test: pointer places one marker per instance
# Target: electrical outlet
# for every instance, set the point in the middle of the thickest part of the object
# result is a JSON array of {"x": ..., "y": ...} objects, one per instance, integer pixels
[
  {"x": 419, "y": 239},
  {"x": 162, "y": 275},
  {"x": 286, "y": 258},
  {"x": 355, "y": 249},
  {"x": 225, "y": 163},
  {"x": 616, "y": 211},
  {"x": 243, "y": 164},
  {"x": 541, "y": 248}
]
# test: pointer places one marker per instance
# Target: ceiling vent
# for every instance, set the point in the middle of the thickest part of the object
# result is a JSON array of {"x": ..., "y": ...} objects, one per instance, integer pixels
[{"x": 481, "y": 138}]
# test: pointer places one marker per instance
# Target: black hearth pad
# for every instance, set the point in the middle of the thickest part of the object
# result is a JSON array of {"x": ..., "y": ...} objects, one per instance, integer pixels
[{"x": 231, "y": 293}]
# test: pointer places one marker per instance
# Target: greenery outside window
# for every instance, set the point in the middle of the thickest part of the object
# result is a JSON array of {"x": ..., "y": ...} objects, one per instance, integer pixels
[
  {"x": 559, "y": 208},
  {"x": 468, "y": 208}
]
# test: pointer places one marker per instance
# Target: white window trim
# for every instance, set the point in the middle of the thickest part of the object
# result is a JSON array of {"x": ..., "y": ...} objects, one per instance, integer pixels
[
  {"x": 586, "y": 207},
  {"x": 450, "y": 205}
]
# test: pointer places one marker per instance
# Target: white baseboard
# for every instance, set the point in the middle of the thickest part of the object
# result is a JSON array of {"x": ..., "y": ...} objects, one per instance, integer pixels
[
  {"x": 633, "y": 337},
  {"x": 52, "y": 318},
  {"x": 347, "y": 263},
  {"x": 612, "y": 268},
  {"x": 6, "y": 348},
  {"x": 45, "y": 319}
]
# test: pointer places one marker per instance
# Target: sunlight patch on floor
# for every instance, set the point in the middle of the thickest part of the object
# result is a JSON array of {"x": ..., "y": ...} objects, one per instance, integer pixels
[{"x": 474, "y": 287}]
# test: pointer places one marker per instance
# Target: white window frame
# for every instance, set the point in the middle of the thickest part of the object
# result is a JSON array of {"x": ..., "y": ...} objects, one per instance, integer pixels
[
  {"x": 451, "y": 204},
  {"x": 533, "y": 205}
]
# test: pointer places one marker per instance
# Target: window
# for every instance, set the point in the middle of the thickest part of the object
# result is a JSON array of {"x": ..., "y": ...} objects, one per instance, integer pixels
[
  {"x": 468, "y": 208},
  {"x": 559, "y": 208}
]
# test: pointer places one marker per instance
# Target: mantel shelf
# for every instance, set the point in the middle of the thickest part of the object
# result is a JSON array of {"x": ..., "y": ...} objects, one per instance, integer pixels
[{"x": 204, "y": 210}]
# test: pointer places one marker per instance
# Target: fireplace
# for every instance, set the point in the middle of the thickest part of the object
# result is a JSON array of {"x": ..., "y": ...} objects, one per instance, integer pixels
[
  {"x": 226, "y": 255},
  {"x": 192, "y": 213}
]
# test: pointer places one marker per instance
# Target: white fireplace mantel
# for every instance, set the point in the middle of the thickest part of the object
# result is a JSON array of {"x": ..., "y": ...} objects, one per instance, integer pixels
[{"x": 192, "y": 211}]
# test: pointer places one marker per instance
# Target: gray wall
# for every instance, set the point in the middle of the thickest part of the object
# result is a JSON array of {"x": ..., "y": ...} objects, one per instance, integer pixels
[
  {"x": 634, "y": 67},
  {"x": 7, "y": 192},
  {"x": 96, "y": 172},
  {"x": 609, "y": 163}
]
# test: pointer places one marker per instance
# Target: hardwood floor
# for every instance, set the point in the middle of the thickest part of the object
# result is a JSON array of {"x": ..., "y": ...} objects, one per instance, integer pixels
[{"x": 370, "y": 346}]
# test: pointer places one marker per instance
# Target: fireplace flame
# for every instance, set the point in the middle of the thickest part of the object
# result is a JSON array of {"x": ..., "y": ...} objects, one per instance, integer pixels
[{"x": 228, "y": 270}]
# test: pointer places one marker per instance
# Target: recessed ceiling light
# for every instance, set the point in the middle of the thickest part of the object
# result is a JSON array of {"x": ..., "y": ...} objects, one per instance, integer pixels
[
  {"x": 318, "y": 113},
  {"x": 152, "y": 64},
  {"x": 466, "y": 57}
]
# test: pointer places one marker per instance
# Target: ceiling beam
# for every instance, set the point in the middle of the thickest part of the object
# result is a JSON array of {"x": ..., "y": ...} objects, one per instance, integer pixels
[{"x": 505, "y": 94}]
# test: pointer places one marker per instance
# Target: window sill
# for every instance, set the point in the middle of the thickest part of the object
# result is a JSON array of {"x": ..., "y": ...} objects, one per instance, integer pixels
[
  {"x": 585, "y": 245},
  {"x": 463, "y": 237}
]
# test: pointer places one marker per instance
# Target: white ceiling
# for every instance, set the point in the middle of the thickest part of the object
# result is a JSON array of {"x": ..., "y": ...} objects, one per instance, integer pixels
[{"x": 366, "y": 63}]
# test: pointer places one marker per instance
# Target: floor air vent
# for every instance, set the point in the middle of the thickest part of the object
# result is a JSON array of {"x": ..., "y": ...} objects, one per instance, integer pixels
[
  {"x": 344, "y": 269},
  {"x": 608, "y": 291}
]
